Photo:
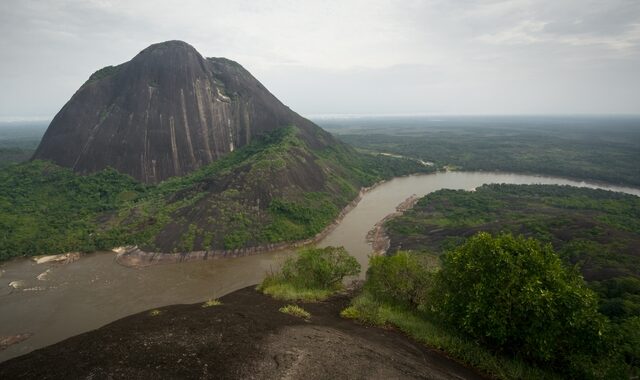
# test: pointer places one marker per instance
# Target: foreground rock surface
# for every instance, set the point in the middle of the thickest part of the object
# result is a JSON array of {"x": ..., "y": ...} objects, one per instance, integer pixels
[{"x": 245, "y": 337}]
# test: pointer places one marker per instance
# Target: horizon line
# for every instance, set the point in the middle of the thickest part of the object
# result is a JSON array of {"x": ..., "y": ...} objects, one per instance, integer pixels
[{"x": 22, "y": 119}]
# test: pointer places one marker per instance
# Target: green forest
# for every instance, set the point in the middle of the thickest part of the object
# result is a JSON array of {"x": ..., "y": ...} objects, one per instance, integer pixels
[
  {"x": 595, "y": 233},
  {"x": 45, "y": 208},
  {"x": 588, "y": 148}
]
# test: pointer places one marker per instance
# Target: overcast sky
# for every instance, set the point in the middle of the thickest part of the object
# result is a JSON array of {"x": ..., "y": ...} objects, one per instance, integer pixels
[{"x": 345, "y": 57}]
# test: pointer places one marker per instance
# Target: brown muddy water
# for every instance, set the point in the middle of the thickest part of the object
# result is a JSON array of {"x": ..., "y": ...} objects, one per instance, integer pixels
[{"x": 93, "y": 291}]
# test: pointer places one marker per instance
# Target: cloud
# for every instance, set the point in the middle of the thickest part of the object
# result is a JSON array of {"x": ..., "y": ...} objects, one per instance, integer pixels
[
  {"x": 526, "y": 32},
  {"x": 419, "y": 56},
  {"x": 613, "y": 25}
]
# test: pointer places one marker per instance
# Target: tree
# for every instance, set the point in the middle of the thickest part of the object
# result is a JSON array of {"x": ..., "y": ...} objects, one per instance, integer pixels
[
  {"x": 402, "y": 279},
  {"x": 322, "y": 268},
  {"x": 514, "y": 294}
]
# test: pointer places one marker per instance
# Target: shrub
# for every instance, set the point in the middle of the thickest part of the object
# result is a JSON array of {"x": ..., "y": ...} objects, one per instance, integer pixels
[
  {"x": 322, "y": 268},
  {"x": 504, "y": 304},
  {"x": 365, "y": 309},
  {"x": 212, "y": 302},
  {"x": 513, "y": 294},
  {"x": 314, "y": 274},
  {"x": 629, "y": 342},
  {"x": 401, "y": 278},
  {"x": 296, "y": 311}
]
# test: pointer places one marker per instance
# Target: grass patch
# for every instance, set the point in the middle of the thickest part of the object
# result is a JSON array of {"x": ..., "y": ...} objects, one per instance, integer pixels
[
  {"x": 212, "y": 302},
  {"x": 369, "y": 311},
  {"x": 290, "y": 292},
  {"x": 296, "y": 311}
]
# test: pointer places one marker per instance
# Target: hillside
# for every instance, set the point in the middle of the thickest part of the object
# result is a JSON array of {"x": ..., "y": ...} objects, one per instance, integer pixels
[{"x": 275, "y": 189}]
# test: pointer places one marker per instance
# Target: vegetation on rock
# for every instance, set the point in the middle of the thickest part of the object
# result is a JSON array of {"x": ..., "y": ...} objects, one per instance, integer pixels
[
  {"x": 504, "y": 304},
  {"x": 516, "y": 297},
  {"x": 596, "y": 230},
  {"x": 313, "y": 275},
  {"x": 103, "y": 73},
  {"x": 296, "y": 311},
  {"x": 266, "y": 192},
  {"x": 212, "y": 302},
  {"x": 48, "y": 209}
]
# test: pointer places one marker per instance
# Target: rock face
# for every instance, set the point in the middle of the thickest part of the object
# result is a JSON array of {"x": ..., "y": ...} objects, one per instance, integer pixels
[
  {"x": 165, "y": 113},
  {"x": 246, "y": 337}
]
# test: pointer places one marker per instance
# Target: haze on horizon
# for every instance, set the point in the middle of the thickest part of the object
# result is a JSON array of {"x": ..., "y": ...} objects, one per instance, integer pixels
[{"x": 345, "y": 57}]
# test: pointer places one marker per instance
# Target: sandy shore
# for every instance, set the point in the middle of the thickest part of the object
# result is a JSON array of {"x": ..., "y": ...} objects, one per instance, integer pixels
[{"x": 377, "y": 236}]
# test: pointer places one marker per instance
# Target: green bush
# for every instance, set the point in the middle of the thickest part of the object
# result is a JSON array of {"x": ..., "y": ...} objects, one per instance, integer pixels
[
  {"x": 370, "y": 311},
  {"x": 314, "y": 274},
  {"x": 322, "y": 268},
  {"x": 400, "y": 278},
  {"x": 504, "y": 304},
  {"x": 513, "y": 294}
]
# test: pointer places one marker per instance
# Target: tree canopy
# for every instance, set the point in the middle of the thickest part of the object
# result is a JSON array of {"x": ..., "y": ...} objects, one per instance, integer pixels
[{"x": 514, "y": 294}]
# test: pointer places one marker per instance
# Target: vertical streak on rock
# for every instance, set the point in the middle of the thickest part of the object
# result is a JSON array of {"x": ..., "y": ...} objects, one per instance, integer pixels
[
  {"x": 231, "y": 131},
  {"x": 143, "y": 159},
  {"x": 222, "y": 127},
  {"x": 245, "y": 115},
  {"x": 85, "y": 147},
  {"x": 145, "y": 148},
  {"x": 143, "y": 172},
  {"x": 212, "y": 108},
  {"x": 129, "y": 128},
  {"x": 203, "y": 118},
  {"x": 92, "y": 135},
  {"x": 186, "y": 129},
  {"x": 174, "y": 148},
  {"x": 154, "y": 161}
]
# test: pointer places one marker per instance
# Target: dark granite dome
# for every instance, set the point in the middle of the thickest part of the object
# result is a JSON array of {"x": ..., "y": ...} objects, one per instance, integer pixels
[{"x": 165, "y": 113}]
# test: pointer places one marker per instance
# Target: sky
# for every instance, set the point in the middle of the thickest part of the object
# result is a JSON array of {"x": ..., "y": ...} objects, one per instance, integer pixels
[{"x": 348, "y": 57}]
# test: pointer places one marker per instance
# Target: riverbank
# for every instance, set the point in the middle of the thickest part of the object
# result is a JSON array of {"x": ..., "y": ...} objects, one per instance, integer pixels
[
  {"x": 134, "y": 257},
  {"x": 377, "y": 236},
  {"x": 88, "y": 293},
  {"x": 244, "y": 337}
]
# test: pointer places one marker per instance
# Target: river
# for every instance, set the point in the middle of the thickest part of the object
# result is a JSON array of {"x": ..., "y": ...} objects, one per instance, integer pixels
[{"x": 93, "y": 291}]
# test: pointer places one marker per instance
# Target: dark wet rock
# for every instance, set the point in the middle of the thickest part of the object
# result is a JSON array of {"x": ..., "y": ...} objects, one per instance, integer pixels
[{"x": 244, "y": 338}]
